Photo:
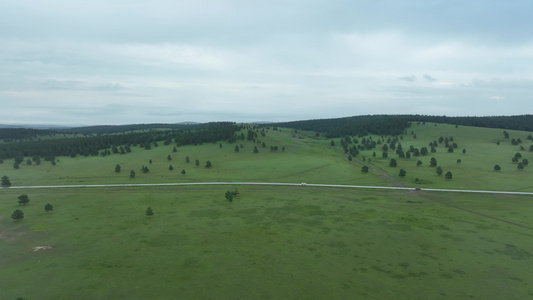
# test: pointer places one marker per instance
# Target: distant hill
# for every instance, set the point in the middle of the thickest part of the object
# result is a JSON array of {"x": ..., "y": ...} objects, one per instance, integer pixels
[{"x": 396, "y": 124}]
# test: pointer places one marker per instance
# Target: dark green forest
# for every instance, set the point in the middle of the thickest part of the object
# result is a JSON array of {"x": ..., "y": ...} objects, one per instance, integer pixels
[
  {"x": 118, "y": 143},
  {"x": 396, "y": 124}
]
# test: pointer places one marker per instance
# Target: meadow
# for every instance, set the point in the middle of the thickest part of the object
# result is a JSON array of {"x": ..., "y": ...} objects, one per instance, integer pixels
[{"x": 296, "y": 242}]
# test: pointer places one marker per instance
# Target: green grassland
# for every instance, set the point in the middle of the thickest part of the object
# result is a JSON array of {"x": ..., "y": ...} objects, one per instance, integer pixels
[
  {"x": 291, "y": 242},
  {"x": 296, "y": 242}
]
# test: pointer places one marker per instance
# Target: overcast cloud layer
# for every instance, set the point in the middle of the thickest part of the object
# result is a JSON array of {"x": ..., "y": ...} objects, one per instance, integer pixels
[{"x": 119, "y": 62}]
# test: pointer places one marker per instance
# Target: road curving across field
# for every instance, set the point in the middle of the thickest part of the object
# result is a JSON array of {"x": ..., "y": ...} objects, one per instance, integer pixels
[{"x": 263, "y": 183}]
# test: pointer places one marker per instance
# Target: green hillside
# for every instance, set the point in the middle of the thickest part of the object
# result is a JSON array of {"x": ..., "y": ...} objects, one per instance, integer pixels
[{"x": 271, "y": 242}]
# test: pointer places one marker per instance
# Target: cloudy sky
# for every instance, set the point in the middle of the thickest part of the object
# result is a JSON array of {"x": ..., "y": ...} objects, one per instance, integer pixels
[{"x": 135, "y": 61}]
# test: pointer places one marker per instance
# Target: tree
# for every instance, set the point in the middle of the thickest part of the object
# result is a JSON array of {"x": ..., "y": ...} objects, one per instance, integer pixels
[
  {"x": 229, "y": 196},
  {"x": 448, "y": 175},
  {"x": 402, "y": 173},
  {"x": 150, "y": 161},
  {"x": 419, "y": 163},
  {"x": 48, "y": 207},
  {"x": 170, "y": 168},
  {"x": 438, "y": 170},
  {"x": 433, "y": 162},
  {"x": 145, "y": 169},
  {"x": 464, "y": 150},
  {"x": 236, "y": 148},
  {"x": 525, "y": 162},
  {"x": 459, "y": 161},
  {"x": 450, "y": 149},
  {"x": 364, "y": 169},
  {"x": 17, "y": 215},
  {"x": 520, "y": 166},
  {"x": 423, "y": 151},
  {"x": 24, "y": 199},
  {"x": 117, "y": 168},
  {"x": 332, "y": 143},
  {"x": 187, "y": 160},
  {"x": 132, "y": 174},
  {"x": 208, "y": 164},
  {"x": 5, "y": 181},
  {"x": 497, "y": 167},
  {"x": 505, "y": 134},
  {"x": 384, "y": 154},
  {"x": 174, "y": 149},
  {"x": 393, "y": 162},
  {"x": 149, "y": 211},
  {"x": 169, "y": 158},
  {"x": 255, "y": 149},
  {"x": 183, "y": 172}
]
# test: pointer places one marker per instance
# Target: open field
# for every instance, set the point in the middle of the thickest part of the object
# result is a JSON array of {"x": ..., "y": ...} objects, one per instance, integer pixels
[
  {"x": 295, "y": 242},
  {"x": 305, "y": 159},
  {"x": 270, "y": 243}
]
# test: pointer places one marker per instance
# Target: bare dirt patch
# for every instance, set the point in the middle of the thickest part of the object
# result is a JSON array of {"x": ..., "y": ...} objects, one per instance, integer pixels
[{"x": 39, "y": 248}]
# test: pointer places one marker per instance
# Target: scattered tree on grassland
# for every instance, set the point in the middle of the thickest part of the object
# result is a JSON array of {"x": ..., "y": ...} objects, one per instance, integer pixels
[
  {"x": 505, "y": 134},
  {"x": 393, "y": 162},
  {"x": 149, "y": 211},
  {"x": 24, "y": 199},
  {"x": 236, "y": 148},
  {"x": 255, "y": 149},
  {"x": 174, "y": 149},
  {"x": 448, "y": 175},
  {"x": 117, "y": 168},
  {"x": 402, "y": 173},
  {"x": 525, "y": 162},
  {"x": 187, "y": 159},
  {"x": 48, "y": 207},
  {"x": 364, "y": 169},
  {"x": 433, "y": 162},
  {"x": 150, "y": 161},
  {"x": 170, "y": 168},
  {"x": 497, "y": 167},
  {"x": 197, "y": 162},
  {"x": 464, "y": 150},
  {"x": 169, "y": 158},
  {"x": 438, "y": 170},
  {"x": 5, "y": 181},
  {"x": 419, "y": 163},
  {"x": 183, "y": 172},
  {"x": 459, "y": 161},
  {"x": 229, "y": 196},
  {"x": 132, "y": 174},
  {"x": 208, "y": 164},
  {"x": 520, "y": 166},
  {"x": 17, "y": 215}
]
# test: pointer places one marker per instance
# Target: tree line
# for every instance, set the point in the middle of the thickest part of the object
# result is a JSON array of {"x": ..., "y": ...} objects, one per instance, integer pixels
[
  {"x": 396, "y": 124},
  {"x": 352, "y": 126},
  {"x": 91, "y": 146}
]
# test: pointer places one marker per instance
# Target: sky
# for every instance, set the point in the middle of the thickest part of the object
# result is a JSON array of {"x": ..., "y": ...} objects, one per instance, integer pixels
[{"x": 77, "y": 62}]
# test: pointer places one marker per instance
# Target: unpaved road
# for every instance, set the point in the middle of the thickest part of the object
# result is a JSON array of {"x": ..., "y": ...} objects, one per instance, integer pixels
[{"x": 262, "y": 183}]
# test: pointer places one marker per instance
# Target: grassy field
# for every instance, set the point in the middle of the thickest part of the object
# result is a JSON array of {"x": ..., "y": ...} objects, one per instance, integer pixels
[
  {"x": 270, "y": 243},
  {"x": 295, "y": 242}
]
